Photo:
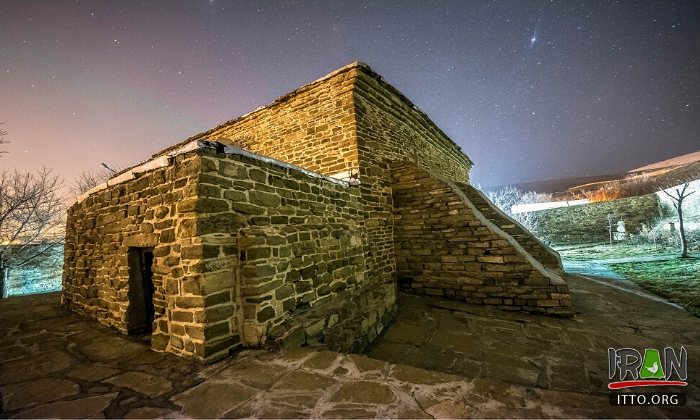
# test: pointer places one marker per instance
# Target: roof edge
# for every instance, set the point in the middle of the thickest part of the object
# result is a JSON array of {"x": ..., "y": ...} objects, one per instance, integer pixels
[
  {"x": 364, "y": 67},
  {"x": 393, "y": 90},
  {"x": 166, "y": 159},
  {"x": 279, "y": 100}
]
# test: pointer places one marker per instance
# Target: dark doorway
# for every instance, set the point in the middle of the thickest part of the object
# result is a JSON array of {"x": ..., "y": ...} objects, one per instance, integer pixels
[{"x": 140, "y": 313}]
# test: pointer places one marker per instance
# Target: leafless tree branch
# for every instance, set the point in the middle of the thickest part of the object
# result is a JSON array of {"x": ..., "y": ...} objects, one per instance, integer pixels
[
  {"x": 677, "y": 201},
  {"x": 31, "y": 216},
  {"x": 88, "y": 180},
  {"x": 508, "y": 196},
  {"x": 3, "y": 133}
]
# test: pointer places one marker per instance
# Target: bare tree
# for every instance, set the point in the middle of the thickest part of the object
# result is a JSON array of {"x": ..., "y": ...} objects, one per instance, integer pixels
[
  {"x": 87, "y": 180},
  {"x": 677, "y": 197},
  {"x": 31, "y": 218},
  {"x": 533, "y": 197},
  {"x": 505, "y": 198},
  {"x": 508, "y": 196},
  {"x": 3, "y": 133}
]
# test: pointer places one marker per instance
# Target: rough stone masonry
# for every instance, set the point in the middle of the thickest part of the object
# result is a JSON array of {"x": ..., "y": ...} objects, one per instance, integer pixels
[{"x": 296, "y": 224}]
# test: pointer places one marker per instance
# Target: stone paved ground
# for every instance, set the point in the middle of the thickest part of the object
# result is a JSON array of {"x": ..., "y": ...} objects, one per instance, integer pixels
[
  {"x": 544, "y": 352},
  {"x": 56, "y": 364}
]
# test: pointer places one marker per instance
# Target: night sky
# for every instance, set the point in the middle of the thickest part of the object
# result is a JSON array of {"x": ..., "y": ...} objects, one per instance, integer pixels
[{"x": 529, "y": 90}]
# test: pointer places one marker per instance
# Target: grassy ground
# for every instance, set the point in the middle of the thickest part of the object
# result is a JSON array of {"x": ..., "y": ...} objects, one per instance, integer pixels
[
  {"x": 678, "y": 280},
  {"x": 605, "y": 252},
  {"x": 30, "y": 280},
  {"x": 41, "y": 275}
]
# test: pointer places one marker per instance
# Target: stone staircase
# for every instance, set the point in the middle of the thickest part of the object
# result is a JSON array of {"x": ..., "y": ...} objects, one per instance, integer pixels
[{"x": 541, "y": 252}]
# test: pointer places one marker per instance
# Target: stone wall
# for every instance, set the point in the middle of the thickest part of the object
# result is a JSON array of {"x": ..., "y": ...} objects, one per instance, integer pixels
[
  {"x": 299, "y": 240},
  {"x": 390, "y": 129},
  {"x": 246, "y": 252},
  {"x": 589, "y": 222},
  {"x": 251, "y": 251},
  {"x": 344, "y": 121},
  {"x": 157, "y": 211},
  {"x": 347, "y": 323},
  {"x": 446, "y": 247},
  {"x": 541, "y": 252},
  {"x": 312, "y": 127}
]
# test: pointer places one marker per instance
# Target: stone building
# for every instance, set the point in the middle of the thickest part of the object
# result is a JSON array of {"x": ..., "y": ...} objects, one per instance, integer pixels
[{"x": 296, "y": 224}]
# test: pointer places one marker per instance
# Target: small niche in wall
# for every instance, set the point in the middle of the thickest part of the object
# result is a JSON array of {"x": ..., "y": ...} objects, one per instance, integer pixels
[{"x": 140, "y": 312}]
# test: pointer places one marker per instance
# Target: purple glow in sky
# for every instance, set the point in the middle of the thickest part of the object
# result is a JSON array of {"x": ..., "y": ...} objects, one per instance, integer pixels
[{"x": 529, "y": 90}]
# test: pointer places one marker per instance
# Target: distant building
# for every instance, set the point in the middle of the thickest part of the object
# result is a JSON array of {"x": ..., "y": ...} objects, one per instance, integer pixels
[{"x": 295, "y": 224}]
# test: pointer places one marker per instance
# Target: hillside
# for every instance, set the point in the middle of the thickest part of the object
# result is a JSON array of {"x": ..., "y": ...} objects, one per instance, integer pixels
[
  {"x": 684, "y": 160},
  {"x": 555, "y": 185},
  {"x": 644, "y": 180},
  {"x": 638, "y": 181}
]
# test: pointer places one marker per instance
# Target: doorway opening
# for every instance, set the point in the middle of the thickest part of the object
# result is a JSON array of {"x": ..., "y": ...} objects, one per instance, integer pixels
[{"x": 140, "y": 313}]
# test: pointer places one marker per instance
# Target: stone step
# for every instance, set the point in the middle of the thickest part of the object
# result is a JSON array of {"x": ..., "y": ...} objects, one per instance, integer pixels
[
  {"x": 348, "y": 323},
  {"x": 541, "y": 252}
]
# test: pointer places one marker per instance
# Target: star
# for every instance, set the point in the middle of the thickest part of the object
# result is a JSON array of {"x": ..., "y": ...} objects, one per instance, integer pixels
[
  {"x": 534, "y": 38},
  {"x": 589, "y": 51}
]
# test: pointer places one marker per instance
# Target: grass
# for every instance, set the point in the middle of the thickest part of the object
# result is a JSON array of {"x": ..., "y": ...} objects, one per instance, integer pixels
[
  {"x": 605, "y": 252},
  {"x": 678, "y": 280}
]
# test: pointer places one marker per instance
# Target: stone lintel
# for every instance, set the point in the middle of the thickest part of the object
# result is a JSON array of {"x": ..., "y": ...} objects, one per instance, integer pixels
[{"x": 149, "y": 240}]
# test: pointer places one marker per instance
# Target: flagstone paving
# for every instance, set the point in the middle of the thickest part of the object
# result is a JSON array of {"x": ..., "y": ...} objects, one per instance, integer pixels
[
  {"x": 544, "y": 352},
  {"x": 483, "y": 364}
]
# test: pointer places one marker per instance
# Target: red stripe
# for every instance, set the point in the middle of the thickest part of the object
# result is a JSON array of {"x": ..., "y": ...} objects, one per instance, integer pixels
[{"x": 634, "y": 384}]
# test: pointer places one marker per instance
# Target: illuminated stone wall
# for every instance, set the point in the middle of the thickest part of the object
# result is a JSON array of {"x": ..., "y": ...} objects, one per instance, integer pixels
[
  {"x": 312, "y": 127},
  {"x": 156, "y": 210},
  {"x": 588, "y": 223},
  {"x": 253, "y": 251},
  {"x": 446, "y": 247},
  {"x": 242, "y": 248}
]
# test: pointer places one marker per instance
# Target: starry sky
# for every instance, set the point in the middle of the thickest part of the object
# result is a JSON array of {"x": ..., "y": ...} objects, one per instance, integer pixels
[{"x": 530, "y": 90}]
